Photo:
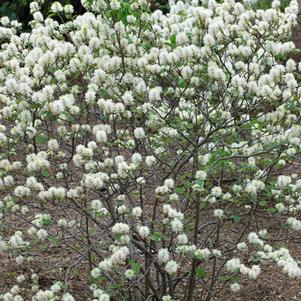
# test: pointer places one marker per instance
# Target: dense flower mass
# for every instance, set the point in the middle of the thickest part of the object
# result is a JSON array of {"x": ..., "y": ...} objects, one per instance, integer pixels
[{"x": 134, "y": 142}]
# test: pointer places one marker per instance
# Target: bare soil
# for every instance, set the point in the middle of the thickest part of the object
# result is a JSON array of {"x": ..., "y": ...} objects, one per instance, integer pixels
[{"x": 271, "y": 285}]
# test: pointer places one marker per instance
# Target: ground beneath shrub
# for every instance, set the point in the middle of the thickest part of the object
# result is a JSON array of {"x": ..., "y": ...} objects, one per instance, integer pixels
[{"x": 271, "y": 284}]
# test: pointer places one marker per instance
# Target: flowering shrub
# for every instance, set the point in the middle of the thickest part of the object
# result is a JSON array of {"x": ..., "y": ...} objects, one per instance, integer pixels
[{"x": 149, "y": 149}]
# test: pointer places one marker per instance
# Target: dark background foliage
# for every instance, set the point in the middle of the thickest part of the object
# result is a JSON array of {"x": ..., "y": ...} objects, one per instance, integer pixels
[{"x": 19, "y": 9}]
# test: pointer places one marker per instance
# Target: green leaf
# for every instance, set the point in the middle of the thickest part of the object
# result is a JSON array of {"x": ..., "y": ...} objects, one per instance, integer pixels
[
  {"x": 272, "y": 210},
  {"x": 136, "y": 266},
  {"x": 223, "y": 278},
  {"x": 236, "y": 218},
  {"x": 45, "y": 173},
  {"x": 179, "y": 190},
  {"x": 102, "y": 93},
  {"x": 263, "y": 203},
  {"x": 42, "y": 139},
  {"x": 47, "y": 222},
  {"x": 47, "y": 115},
  {"x": 158, "y": 236},
  {"x": 56, "y": 241},
  {"x": 181, "y": 83},
  {"x": 68, "y": 116},
  {"x": 201, "y": 273},
  {"x": 116, "y": 286},
  {"x": 173, "y": 40},
  {"x": 203, "y": 205},
  {"x": 234, "y": 279},
  {"x": 200, "y": 183},
  {"x": 256, "y": 259}
]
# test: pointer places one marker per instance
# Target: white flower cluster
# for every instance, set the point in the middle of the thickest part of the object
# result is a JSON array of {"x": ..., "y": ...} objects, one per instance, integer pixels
[
  {"x": 120, "y": 130},
  {"x": 118, "y": 258},
  {"x": 234, "y": 265}
]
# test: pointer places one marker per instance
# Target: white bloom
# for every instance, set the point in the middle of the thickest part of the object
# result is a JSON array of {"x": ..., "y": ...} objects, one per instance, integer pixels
[
  {"x": 115, "y": 5},
  {"x": 173, "y": 197},
  {"x": 137, "y": 212},
  {"x": 56, "y": 287},
  {"x": 169, "y": 183},
  {"x": 161, "y": 190},
  {"x": 294, "y": 223},
  {"x": 105, "y": 265},
  {"x": 235, "y": 287},
  {"x": 233, "y": 265},
  {"x": 154, "y": 94},
  {"x": 96, "y": 272},
  {"x": 202, "y": 253},
  {"x": 150, "y": 160},
  {"x": 120, "y": 255},
  {"x": 171, "y": 267},
  {"x": 57, "y": 107},
  {"x": 200, "y": 174},
  {"x": 141, "y": 180},
  {"x": 56, "y": 7},
  {"x": 42, "y": 234},
  {"x": 218, "y": 213},
  {"x": 254, "y": 239},
  {"x": 68, "y": 297},
  {"x": 242, "y": 246},
  {"x": 130, "y": 274},
  {"x": 217, "y": 253},
  {"x": 283, "y": 181},
  {"x": 53, "y": 144},
  {"x": 143, "y": 231},
  {"x": 252, "y": 161},
  {"x": 139, "y": 133},
  {"x": 136, "y": 158},
  {"x": 38, "y": 16},
  {"x": 163, "y": 255},
  {"x": 19, "y": 259},
  {"x": 101, "y": 136},
  {"x": 104, "y": 297},
  {"x": 254, "y": 271},
  {"x": 62, "y": 223},
  {"x": 216, "y": 191},
  {"x": 68, "y": 9},
  {"x": 176, "y": 225},
  {"x": 5, "y": 21},
  {"x": 182, "y": 239},
  {"x": 20, "y": 278},
  {"x": 280, "y": 207},
  {"x": 120, "y": 228}
]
